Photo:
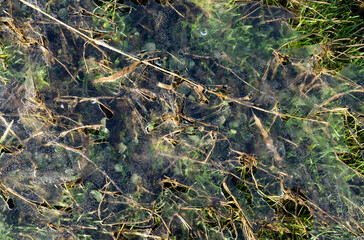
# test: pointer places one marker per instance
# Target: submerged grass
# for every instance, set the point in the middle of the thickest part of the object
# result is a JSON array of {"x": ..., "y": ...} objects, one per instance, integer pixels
[
  {"x": 245, "y": 148},
  {"x": 336, "y": 26},
  {"x": 354, "y": 140}
]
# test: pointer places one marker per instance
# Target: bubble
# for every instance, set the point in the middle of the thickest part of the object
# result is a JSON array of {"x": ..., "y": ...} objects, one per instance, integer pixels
[{"x": 203, "y": 32}]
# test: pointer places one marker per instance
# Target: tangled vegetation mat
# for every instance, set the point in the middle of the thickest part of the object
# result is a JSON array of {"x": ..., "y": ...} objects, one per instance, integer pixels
[{"x": 191, "y": 119}]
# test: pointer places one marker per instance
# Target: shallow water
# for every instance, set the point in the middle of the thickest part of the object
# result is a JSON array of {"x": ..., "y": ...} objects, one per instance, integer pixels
[{"x": 232, "y": 138}]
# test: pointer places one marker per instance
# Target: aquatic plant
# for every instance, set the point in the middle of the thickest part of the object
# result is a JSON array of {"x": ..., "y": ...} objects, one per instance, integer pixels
[{"x": 173, "y": 120}]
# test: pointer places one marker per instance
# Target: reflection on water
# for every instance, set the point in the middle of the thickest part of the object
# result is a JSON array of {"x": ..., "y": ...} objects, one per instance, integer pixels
[{"x": 232, "y": 137}]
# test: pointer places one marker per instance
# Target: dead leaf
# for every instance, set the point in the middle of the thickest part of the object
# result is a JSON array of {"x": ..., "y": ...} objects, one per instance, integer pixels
[
  {"x": 119, "y": 74},
  {"x": 201, "y": 93},
  {"x": 268, "y": 140},
  {"x": 165, "y": 86}
]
